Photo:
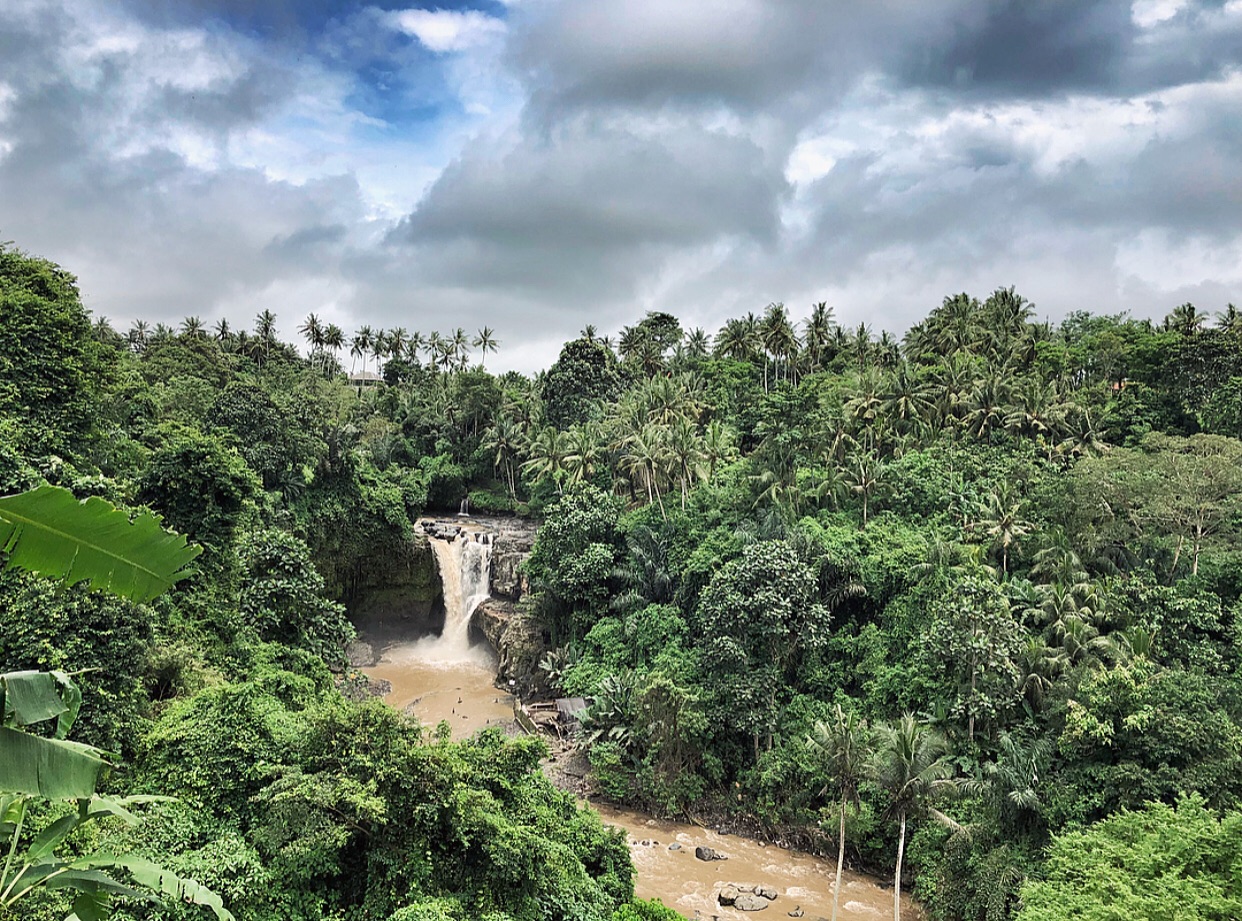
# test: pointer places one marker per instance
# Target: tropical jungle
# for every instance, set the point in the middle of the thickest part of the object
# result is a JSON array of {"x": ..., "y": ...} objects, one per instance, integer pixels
[{"x": 959, "y": 606}]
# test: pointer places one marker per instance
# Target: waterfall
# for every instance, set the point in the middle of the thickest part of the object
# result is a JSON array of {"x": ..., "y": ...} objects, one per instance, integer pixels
[{"x": 465, "y": 569}]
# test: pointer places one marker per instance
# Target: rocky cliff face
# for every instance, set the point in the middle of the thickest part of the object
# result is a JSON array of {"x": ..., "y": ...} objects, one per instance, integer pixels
[
  {"x": 511, "y": 545},
  {"x": 518, "y": 643},
  {"x": 401, "y": 592}
]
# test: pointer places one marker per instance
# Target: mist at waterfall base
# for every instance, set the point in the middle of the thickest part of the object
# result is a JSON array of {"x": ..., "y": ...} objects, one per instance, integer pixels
[{"x": 446, "y": 677}]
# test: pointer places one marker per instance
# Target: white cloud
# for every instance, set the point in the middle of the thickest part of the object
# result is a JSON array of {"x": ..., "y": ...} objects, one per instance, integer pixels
[
  {"x": 1148, "y": 13},
  {"x": 448, "y": 30}
]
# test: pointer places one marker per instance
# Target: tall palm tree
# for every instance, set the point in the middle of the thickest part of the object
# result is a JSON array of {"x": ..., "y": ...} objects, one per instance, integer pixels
[
  {"x": 486, "y": 342},
  {"x": 312, "y": 331},
  {"x": 912, "y": 765},
  {"x": 697, "y": 343},
  {"x": 360, "y": 347},
  {"x": 1004, "y": 523},
  {"x": 860, "y": 346},
  {"x": 843, "y": 746},
  {"x": 1185, "y": 319},
  {"x": 818, "y": 334},
  {"x": 435, "y": 347},
  {"x": 907, "y": 401},
  {"x": 865, "y": 476},
  {"x": 224, "y": 332},
  {"x": 1229, "y": 320},
  {"x": 582, "y": 445},
  {"x": 777, "y": 336},
  {"x": 192, "y": 328},
  {"x": 265, "y": 332},
  {"x": 717, "y": 445},
  {"x": 547, "y": 456},
  {"x": 685, "y": 454},
  {"x": 379, "y": 348},
  {"x": 414, "y": 348},
  {"x": 333, "y": 341},
  {"x": 735, "y": 341},
  {"x": 504, "y": 439},
  {"x": 396, "y": 342}
]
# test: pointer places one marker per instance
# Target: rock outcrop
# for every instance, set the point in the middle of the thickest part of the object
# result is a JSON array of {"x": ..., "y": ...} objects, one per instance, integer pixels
[
  {"x": 518, "y": 643},
  {"x": 399, "y": 592},
  {"x": 511, "y": 544}
]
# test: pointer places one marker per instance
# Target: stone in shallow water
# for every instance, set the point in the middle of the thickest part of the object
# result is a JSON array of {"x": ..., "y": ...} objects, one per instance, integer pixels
[
  {"x": 749, "y": 901},
  {"x": 706, "y": 853}
]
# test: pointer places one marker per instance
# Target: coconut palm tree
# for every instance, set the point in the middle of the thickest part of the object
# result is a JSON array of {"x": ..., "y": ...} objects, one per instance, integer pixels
[
  {"x": 379, "y": 348},
  {"x": 1185, "y": 319},
  {"x": 265, "y": 332},
  {"x": 360, "y": 347},
  {"x": 818, "y": 334},
  {"x": 717, "y": 445},
  {"x": 685, "y": 454},
  {"x": 486, "y": 342},
  {"x": 547, "y": 453},
  {"x": 1229, "y": 320},
  {"x": 504, "y": 440},
  {"x": 582, "y": 444},
  {"x": 735, "y": 340},
  {"x": 697, "y": 343},
  {"x": 333, "y": 341},
  {"x": 396, "y": 342},
  {"x": 312, "y": 331},
  {"x": 192, "y": 328},
  {"x": 843, "y": 748},
  {"x": 912, "y": 766},
  {"x": 1004, "y": 523},
  {"x": 865, "y": 476},
  {"x": 224, "y": 332}
]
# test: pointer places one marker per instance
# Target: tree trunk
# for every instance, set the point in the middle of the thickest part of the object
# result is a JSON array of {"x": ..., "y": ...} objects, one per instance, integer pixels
[
  {"x": 836, "y": 889},
  {"x": 901, "y": 850}
]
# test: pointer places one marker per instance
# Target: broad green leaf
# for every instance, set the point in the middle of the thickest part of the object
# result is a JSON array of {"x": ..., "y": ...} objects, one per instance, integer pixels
[
  {"x": 163, "y": 881},
  {"x": 52, "y": 768},
  {"x": 48, "y": 839},
  {"x": 71, "y": 696},
  {"x": 90, "y": 906},
  {"x": 48, "y": 531},
  {"x": 31, "y": 697}
]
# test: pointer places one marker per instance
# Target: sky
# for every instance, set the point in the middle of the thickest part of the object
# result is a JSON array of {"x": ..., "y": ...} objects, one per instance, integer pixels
[{"x": 538, "y": 165}]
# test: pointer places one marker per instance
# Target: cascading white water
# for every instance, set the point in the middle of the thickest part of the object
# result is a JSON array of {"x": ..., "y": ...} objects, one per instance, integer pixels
[{"x": 465, "y": 566}]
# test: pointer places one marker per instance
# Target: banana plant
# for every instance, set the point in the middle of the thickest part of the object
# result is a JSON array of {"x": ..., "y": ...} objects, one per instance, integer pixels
[{"x": 48, "y": 531}]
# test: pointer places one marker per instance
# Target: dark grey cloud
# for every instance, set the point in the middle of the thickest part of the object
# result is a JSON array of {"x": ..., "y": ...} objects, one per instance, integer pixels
[
  {"x": 700, "y": 157},
  {"x": 1012, "y": 47}
]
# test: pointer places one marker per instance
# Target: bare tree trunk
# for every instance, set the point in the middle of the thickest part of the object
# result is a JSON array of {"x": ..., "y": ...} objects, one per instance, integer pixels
[
  {"x": 901, "y": 850},
  {"x": 836, "y": 890}
]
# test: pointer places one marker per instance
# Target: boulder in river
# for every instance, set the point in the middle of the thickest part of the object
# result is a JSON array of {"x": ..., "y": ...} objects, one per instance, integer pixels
[
  {"x": 728, "y": 895},
  {"x": 767, "y": 892},
  {"x": 706, "y": 853},
  {"x": 749, "y": 901}
]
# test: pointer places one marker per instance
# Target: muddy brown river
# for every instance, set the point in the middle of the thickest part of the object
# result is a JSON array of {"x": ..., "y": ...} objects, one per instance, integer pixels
[
  {"x": 446, "y": 678},
  {"x": 459, "y": 689}
]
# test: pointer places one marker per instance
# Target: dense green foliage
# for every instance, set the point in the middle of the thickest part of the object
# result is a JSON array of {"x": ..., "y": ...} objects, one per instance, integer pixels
[{"x": 1008, "y": 554}]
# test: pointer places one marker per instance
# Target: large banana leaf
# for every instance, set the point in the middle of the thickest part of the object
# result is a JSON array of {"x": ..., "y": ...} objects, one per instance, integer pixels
[
  {"x": 52, "y": 768},
  {"x": 31, "y": 764},
  {"x": 48, "y": 531}
]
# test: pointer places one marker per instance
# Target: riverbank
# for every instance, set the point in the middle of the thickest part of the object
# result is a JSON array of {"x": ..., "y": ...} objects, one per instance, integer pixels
[{"x": 663, "y": 851}]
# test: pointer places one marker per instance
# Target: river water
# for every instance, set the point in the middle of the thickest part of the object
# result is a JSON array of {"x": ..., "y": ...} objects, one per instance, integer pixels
[{"x": 447, "y": 678}]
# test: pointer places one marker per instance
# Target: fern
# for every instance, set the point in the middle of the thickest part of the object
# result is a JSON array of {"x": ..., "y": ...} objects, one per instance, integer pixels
[{"x": 48, "y": 531}]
